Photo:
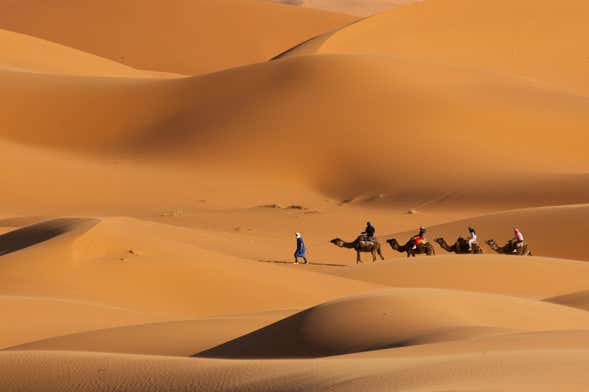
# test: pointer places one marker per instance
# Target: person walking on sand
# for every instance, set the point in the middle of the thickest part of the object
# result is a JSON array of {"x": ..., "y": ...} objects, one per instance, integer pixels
[{"x": 301, "y": 250}]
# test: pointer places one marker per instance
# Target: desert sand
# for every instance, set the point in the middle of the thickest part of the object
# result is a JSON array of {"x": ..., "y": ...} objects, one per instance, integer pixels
[
  {"x": 160, "y": 156},
  {"x": 361, "y": 8}
]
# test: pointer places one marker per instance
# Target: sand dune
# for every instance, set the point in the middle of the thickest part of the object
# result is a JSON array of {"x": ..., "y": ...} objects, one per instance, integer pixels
[
  {"x": 26, "y": 319},
  {"x": 353, "y": 7},
  {"x": 534, "y": 370},
  {"x": 19, "y": 239},
  {"x": 158, "y": 158},
  {"x": 396, "y": 318},
  {"x": 175, "y": 338},
  {"x": 164, "y": 119},
  {"x": 578, "y": 300},
  {"x": 155, "y": 268},
  {"x": 24, "y": 53},
  {"x": 547, "y": 229},
  {"x": 183, "y": 37},
  {"x": 529, "y": 38},
  {"x": 500, "y": 342},
  {"x": 544, "y": 277}
]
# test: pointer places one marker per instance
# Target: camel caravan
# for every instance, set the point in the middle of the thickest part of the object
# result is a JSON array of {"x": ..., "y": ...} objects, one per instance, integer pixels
[{"x": 419, "y": 245}]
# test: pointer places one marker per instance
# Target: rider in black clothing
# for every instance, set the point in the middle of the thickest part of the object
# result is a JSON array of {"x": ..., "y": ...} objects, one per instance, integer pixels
[{"x": 369, "y": 231}]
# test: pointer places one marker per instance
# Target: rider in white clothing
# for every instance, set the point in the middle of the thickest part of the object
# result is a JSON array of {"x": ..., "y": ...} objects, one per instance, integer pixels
[{"x": 472, "y": 239}]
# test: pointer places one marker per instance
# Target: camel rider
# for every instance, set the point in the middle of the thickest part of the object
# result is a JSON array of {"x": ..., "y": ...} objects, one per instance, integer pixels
[
  {"x": 472, "y": 238},
  {"x": 369, "y": 232},
  {"x": 518, "y": 239},
  {"x": 419, "y": 239}
]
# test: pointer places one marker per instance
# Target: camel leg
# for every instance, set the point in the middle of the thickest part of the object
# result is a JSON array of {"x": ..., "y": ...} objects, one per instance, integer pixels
[
  {"x": 373, "y": 255},
  {"x": 358, "y": 260},
  {"x": 380, "y": 254}
]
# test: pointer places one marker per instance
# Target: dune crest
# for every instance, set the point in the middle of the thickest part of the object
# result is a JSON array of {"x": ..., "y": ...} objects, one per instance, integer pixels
[
  {"x": 24, "y": 53},
  {"x": 396, "y": 318},
  {"x": 494, "y": 36}
]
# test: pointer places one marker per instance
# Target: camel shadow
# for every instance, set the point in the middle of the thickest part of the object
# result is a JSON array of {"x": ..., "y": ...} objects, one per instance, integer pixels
[{"x": 310, "y": 263}]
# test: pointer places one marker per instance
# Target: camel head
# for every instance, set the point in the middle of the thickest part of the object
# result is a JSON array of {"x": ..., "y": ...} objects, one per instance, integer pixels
[
  {"x": 439, "y": 240},
  {"x": 337, "y": 242},
  {"x": 393, "y": 243},
  {"x": 491, "y": 242}
]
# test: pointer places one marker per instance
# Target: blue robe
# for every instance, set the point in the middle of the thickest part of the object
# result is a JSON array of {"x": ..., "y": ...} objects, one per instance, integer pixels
[{"x": 301, "y": 251}]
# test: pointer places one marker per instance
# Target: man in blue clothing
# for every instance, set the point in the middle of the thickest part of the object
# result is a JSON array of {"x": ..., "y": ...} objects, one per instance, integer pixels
[{"x": 301, "y": 250}]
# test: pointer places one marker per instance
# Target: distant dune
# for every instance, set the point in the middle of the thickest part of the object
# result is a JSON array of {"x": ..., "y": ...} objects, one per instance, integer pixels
[
  {"x": 529, "y": 38},
  {"x": 353, "y": 7},
  {"x": 29, "y": 54},
  {"x": 188, "y": 37}
]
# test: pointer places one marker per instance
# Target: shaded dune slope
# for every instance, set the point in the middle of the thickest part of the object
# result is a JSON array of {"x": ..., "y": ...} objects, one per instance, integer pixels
[
  {"x": 579, "y": 299},
  {"x": 397, "y": 318},
  {"x": 519, "y": 38},
  {"x": 179, "y": 36},
  {"x": 37, "y": 233}
]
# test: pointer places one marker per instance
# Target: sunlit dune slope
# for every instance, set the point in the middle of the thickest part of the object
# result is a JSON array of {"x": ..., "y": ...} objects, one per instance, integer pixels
[
  {"x": 524, "y": 276},
  {"x": 413, "y": 114},
  {"x": 29, "y": 54},
  {"x": 397, "y": 318},
  {"x": 506, "y": 371},
  {"x": 26, "y": 319},
  {"x": 566, "y": 339},
  {"x": 530, "y": 38},
  {"x": 162, "y": 270},
  {"x": 353, "y": 7},
  {"x": 176, "y": 338},
  {"x": 176, "y": 36}
]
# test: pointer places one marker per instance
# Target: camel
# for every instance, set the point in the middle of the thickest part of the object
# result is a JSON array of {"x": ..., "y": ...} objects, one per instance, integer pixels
[
  {"x": 426, "y": 248},
  {"x": 459, "y": 247},
  {"x": 360, "y": 245},
  {"x": 510, "y": 248}
]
